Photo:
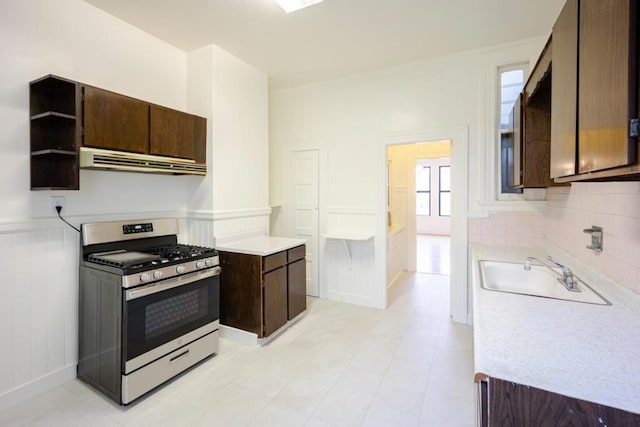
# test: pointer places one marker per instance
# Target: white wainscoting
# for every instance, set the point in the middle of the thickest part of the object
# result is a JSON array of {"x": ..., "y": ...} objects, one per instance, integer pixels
[
  {"x": 350, "y": 280},
  {"x": 396, "y": 253},
  {"x": 38, "y": 310},
  {"x": 233, "y": 225}
]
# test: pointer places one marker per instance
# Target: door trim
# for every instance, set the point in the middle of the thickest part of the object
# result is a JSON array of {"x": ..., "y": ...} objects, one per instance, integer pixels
[
  {"x": 459, "y": 137},
  {"x": 288, "y": 148}
]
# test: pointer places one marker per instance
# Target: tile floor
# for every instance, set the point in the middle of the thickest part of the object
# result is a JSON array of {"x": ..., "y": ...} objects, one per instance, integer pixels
[
  {"x": 433, "y": 254},
  {"x": 341, "y": 365}
]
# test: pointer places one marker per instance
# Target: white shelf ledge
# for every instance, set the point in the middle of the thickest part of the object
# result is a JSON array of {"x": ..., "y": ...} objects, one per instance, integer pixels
[{"x": 346, "y": 237}]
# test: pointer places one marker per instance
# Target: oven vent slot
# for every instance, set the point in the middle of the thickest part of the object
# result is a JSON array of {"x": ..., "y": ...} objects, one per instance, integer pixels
[{"x": 93, "y": 158}]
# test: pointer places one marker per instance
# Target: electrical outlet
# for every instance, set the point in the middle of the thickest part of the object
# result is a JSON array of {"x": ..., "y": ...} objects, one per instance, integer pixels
[{"x": 55, "y": 201}]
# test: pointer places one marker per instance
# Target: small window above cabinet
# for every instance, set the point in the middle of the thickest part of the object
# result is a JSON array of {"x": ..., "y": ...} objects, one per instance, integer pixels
[
  {"x": 532, "y": 128},
  {"x": 54, "y": 105}
]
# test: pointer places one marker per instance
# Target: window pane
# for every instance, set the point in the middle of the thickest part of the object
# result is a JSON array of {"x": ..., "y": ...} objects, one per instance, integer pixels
[
  {"x": 423, "y": 204},
  {"x": 511, "y": 83},
  {"x": 423, "y": 178},
  {"x": 445, "y": 204},
  {"x": 511, "y": 77},
  {"x": 445, "y": 178}
]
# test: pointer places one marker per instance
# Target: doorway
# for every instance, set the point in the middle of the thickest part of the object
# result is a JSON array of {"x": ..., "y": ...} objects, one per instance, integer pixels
[
  {"x": 433, "y": 212},
  {"x": 457, "y": 139},
  {"x": 418, "y": 198}
]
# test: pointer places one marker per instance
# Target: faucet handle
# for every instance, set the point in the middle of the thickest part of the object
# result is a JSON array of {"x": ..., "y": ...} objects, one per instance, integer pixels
[{"x": 596, "y": 237}]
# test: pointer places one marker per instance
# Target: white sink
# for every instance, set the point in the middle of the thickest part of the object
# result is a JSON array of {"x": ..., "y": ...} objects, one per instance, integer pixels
[{"x": 540, "y": 281}]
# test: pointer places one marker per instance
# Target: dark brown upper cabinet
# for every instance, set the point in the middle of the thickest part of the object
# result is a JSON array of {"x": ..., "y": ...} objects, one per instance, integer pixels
[
  {"x": 66, "y": 115},
  {"x": 606, "y": 84},
  {"x": 115, "y": 122},
  {"x": 564, "y": 97},
  {"x": 595, "y": 94},
  {"x": 532, "y": 127},
  {"x": 172, "y": 133}
]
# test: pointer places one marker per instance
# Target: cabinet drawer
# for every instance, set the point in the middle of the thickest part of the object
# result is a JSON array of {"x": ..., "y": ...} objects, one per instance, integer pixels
[
  {"x": 295, "y": 253},
  {"x": 274, "y": 261}
]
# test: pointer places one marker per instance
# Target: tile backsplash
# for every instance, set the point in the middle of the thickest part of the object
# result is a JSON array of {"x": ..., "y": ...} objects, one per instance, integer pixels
[
  {"x": 614, "y": 206},
  {"x": 569, "y": 210},
  {"x": 508, "y": 228}
]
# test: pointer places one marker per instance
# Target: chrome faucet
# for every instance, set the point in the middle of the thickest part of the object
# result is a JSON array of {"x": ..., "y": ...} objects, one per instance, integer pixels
[{"x": 567, "y": 276}]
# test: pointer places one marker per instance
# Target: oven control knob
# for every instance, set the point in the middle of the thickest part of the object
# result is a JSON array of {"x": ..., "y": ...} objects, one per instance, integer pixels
[
  {"x": 199, "y": 264},
  {"x": 144, "y": 277},
  {"x": 157, "y": 275},
  {"x": 180, "y": 269},
  {"x": 208, "y": 262}
]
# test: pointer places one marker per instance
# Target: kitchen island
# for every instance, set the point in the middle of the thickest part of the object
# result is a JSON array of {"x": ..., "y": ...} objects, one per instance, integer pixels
[
  {"x": 262, "y": 287},
  {"x": 568, "y": 351}
]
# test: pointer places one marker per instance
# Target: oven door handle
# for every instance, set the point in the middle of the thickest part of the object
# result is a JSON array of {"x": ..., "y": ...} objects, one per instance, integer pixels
[{"x": 171, "y": 283}]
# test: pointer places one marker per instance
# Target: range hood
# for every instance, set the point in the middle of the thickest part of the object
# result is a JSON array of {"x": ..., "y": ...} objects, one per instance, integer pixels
[{"x": 94, "y": 158}]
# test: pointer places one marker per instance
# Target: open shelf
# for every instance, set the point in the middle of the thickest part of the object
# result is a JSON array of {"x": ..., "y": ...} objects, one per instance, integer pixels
[{"x": 54, "y": 103}]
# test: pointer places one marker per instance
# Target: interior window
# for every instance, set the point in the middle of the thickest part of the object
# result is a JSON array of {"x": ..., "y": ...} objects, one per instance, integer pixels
[
  {"x": 511, "y": 84},
  {"x": 445, "y": 191},
  {"x": 423, "y": 190}
]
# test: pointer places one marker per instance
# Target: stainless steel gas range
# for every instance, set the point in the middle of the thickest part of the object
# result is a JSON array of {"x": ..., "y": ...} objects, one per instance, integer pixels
[{"x": 149, "y": 307}]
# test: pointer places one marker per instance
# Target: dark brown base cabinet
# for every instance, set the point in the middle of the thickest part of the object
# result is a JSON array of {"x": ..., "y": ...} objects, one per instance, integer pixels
[
  {"x": 260, "y": 294},
  {"x": 504, "y": 404}
]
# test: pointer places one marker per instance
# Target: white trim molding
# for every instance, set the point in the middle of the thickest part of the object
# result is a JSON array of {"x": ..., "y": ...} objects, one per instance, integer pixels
[{"x": 459, "y": 137}]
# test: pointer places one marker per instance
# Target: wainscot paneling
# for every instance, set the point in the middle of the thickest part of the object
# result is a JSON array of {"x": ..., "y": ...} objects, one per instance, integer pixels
[
  {"x": 239, "y": 224},
  {"x": 350, "y": 275},
  {"x": 38, "y": 311}
]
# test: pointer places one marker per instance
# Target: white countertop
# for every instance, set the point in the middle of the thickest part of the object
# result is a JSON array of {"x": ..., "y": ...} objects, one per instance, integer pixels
[
  {"x": 586, "y": 351},
  {"x": 261, "y": 245}
]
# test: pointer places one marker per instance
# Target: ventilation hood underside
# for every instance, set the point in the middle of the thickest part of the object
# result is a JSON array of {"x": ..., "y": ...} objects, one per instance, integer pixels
[{"x": 94, "y": 158}]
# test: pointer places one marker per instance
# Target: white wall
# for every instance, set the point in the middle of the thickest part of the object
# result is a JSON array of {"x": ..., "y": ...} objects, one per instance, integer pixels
[
  {"x": 39, "y": 254},
  {"x": 357, "y": 114},
  {"x": 233, "y": 200}
]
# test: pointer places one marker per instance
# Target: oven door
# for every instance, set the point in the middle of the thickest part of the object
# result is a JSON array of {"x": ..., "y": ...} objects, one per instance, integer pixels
[{"x": 163, "y": 316}]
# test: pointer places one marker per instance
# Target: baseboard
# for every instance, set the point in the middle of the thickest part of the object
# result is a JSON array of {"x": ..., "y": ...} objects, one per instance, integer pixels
[
  {"x": 352, "y": 299},
  {"x": 393, "y": 281},
  {"x": 38, "y": 386},
  {"x": 238, "y": 335}
]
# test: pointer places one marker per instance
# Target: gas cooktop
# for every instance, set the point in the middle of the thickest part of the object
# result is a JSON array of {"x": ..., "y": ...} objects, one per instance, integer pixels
[{"x": 151, "y": 257}]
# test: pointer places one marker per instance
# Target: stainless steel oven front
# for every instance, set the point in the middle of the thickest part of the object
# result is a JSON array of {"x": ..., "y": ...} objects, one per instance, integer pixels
[{"x": 163, "y": 316}]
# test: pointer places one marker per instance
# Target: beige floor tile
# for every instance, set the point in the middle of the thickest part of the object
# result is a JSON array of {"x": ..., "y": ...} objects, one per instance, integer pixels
[{"x": 340, "y": 365}]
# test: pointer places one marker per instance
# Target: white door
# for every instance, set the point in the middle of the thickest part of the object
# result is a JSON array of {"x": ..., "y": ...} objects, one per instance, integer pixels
[{"x": 304, "y": 214}]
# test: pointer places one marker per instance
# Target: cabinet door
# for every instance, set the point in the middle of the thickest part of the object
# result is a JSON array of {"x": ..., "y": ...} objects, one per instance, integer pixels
[
  {"x": 274, "y": 288},
  {"x": 607, "y": 75},
  {"x": 172, "y": 133},
  {"x": 512, "y": 404},
  {"x": 297, "y": 287},
  {"x": 564, "y": 91},
  {"x": 115, "y": 122},
  {"x": 516, "y": 175}
]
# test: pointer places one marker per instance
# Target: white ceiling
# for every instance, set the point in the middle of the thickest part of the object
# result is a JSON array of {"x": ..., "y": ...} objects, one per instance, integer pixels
[{"x": 336, "y": 37}]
